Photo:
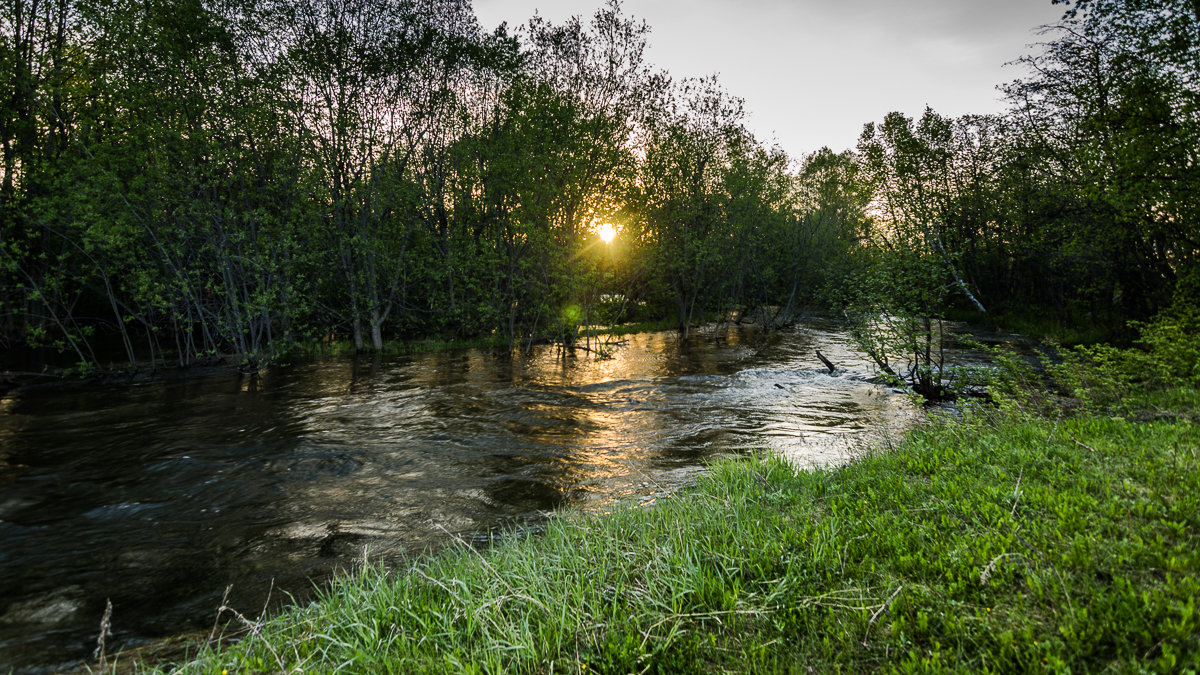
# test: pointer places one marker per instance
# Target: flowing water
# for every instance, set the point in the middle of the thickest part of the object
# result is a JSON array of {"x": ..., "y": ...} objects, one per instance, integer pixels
[{"x": 159, "y": 496}]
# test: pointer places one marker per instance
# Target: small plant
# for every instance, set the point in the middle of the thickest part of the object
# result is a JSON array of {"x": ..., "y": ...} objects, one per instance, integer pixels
[
  {"x": 894, "y": 303},
  {"x": 909, "y": 351},
  {"x": 1101, "y": 378},
  {"x": 1172, "y": 343}
]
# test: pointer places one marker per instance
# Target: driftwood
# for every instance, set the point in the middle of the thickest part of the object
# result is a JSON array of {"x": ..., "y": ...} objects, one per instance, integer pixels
[{"x": 827, "y": 362}]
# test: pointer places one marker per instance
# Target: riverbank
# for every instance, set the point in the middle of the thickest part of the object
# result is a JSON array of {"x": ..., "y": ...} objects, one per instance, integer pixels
[
  {"x": 1007, "y": 545},
  {"x": 1056, "y": 328},
  {"x": 604, "y": 333},
  {"x": 125, "y": 373}
]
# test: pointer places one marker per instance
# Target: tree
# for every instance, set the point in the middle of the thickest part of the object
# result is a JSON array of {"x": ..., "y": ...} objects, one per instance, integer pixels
[
  {"x": 917, "y": 182},
  {"x": 930, "y": 182},
  {"x": 834, "y": 196},
  {"x": 1114, "y": 99},
  {"x": 680, "y": 196},
  {"x": 586, "y": 89},
  {"x": 38, "y": 97},
  {"x": 762, "y": 214},
  {"x": 193, "y": 196},
  {"x": 376, "y": 80}
]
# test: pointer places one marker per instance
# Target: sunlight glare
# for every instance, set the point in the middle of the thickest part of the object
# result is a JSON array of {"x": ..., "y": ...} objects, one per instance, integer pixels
[{"x": 606, "y": 232}]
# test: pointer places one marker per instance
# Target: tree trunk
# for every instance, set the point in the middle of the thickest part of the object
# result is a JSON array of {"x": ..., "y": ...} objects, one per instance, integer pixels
[
  {"x": 958, "y": 280},
  {"x": 377, "y": 333}
]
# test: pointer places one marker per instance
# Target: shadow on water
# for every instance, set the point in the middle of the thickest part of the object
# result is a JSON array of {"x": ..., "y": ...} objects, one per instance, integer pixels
[{"x": 160, "y": 495}]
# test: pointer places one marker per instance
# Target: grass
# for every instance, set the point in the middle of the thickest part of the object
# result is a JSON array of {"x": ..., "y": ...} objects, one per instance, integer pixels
[{"x": 983, "y": 545}]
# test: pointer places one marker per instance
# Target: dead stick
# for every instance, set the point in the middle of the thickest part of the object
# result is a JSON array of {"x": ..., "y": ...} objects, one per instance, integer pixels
[
  {"x": 101, "y": 642},
  {"x": 1081, "y": 444},
  {"x": 827, "y": 362},
  {"x": 882, "y": 608}
]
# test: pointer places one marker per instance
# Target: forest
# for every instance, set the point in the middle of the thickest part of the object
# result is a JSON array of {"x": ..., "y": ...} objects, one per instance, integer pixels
[{"x": 189, "y": 181}]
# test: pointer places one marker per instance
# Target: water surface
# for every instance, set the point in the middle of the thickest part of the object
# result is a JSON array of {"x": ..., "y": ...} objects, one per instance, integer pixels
[{"x": 158, "y": 496}]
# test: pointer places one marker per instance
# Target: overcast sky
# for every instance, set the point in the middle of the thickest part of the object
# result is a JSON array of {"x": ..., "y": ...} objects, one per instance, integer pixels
[{"x": 813, "y": 72}]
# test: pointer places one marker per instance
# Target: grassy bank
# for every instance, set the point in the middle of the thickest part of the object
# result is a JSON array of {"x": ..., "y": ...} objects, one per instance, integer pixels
[{"x": 979, "y": 546}]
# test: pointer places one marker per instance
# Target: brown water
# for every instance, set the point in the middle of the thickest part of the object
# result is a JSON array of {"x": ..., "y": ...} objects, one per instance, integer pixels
[{"x": 161, "y": 495}]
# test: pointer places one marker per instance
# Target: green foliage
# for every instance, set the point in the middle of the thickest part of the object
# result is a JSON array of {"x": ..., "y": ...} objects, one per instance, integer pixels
[
  {"x": 182, "y": 182},
  {"x": 834, "y": 196},
  {"x": 909, "y": 275},
  {"x": 1111, "y": 101},
  {"x": 893, "y": 301},
  {"x": 1080, "y": 202},
  {"x": 1019, "y": 387},
  {"x": 225, "y": 180},
  {"x": 1172, "y": 343},
  {"x": 1156, "y": 378},
  {"x": 683, "y": 199}
]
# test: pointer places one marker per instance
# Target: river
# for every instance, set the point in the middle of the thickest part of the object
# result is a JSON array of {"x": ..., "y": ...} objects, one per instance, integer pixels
[{"x": 161, "y": 495}]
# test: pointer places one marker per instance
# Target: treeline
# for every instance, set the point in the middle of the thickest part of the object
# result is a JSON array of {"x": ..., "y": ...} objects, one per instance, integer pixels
[
  {"x": 228, "y": 177},
  {"x": 1081, "y": 203},
  {"x": 186, "y": 180}
]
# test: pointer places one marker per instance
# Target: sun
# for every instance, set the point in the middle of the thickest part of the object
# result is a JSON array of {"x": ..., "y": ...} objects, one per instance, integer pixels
[{"x": 606, "y": 232}]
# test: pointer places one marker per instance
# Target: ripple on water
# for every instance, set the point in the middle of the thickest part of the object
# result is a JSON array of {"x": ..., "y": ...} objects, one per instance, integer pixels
[{"x": 163, "y": 494}]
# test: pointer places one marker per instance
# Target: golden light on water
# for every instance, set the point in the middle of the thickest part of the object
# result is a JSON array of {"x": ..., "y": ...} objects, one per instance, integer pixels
[{"x": 606, "y": 232}]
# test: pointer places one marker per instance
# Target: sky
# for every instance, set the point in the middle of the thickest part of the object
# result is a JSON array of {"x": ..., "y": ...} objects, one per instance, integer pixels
[{"x": 813, "y": 72}]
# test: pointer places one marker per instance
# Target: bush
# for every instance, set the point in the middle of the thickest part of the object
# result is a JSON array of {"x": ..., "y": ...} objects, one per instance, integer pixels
[
  {"x": 1102, "y": 378},
  {"x": 1172, "y": 343}
]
